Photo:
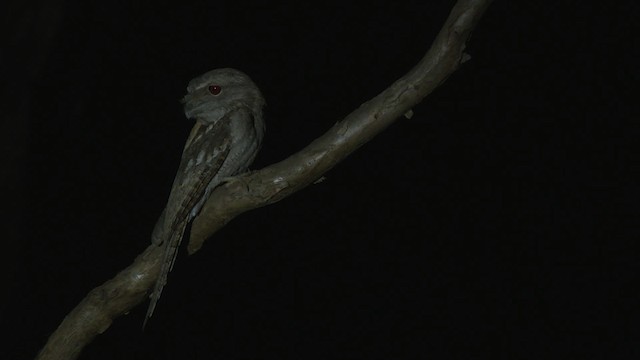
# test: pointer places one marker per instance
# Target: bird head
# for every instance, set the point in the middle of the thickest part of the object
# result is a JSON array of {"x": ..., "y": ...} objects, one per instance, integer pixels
[{"x": 216, "y": 93}]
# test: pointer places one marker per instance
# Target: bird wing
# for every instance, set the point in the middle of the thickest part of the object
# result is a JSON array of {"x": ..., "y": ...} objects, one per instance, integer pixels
[{"x": 204, "y": 153}]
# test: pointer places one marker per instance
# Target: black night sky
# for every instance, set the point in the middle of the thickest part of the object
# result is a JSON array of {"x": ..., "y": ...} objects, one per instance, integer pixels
[{"x": 499, "y": 220}]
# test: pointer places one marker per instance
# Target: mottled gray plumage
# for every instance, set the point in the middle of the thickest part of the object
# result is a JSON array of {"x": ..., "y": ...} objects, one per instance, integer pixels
[{"x": 227, "y": 107}]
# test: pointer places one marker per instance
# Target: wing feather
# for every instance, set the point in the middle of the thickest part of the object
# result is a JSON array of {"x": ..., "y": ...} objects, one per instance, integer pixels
[{"x": 204, "y": 154}]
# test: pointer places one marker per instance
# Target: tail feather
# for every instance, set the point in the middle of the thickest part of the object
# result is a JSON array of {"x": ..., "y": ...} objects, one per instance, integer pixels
[{"x": 170, "y": 254}]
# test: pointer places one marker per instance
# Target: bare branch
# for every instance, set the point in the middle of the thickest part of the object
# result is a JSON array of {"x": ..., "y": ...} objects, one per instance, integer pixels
[
  {"x": 94, "y": 314},
  {"x": 282, "y": 179},
  {"x": 117, "y": 296}
]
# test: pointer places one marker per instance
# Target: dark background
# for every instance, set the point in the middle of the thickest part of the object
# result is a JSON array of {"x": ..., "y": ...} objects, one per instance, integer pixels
[{"x": 500, "y": 219}]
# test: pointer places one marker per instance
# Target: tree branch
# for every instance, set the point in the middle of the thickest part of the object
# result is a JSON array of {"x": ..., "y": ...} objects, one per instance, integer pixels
[{"x": 128, "y": 288}]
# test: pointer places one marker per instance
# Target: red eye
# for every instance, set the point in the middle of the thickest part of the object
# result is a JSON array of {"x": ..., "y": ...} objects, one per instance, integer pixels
[{"x": 215, "y": 89}]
